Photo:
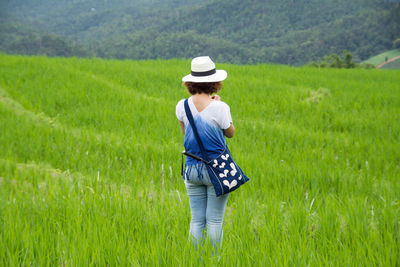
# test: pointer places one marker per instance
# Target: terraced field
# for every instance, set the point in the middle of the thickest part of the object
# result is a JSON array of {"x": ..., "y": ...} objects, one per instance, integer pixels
[
  {"x": 393, "y": 64},
  {"x": 90, "y": 165},
  {"x": 381, "y": 59}
]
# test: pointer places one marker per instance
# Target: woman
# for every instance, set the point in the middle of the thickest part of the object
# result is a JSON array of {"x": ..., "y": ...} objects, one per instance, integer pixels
[{"x": 213, "y": 120}]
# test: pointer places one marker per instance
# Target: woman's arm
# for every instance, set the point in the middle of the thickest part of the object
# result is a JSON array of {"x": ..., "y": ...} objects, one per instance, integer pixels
[
  {"x": 182, "y": 126},
  {"x": 230, "y": 131}
]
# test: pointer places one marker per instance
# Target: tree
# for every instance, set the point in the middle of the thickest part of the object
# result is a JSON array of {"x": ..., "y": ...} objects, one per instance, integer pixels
[
  {"x": 348, "y": 60},
  {"x": 396, "y": 43},
  {"x": 335, "y": 61}
]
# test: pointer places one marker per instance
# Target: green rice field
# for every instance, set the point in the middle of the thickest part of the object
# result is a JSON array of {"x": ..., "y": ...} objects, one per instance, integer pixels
[{"x": 90, "y": 158}]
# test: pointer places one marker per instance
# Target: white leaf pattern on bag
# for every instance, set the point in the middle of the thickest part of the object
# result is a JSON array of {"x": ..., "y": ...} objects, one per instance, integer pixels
[
  {"x": 230, "y": 185},
  {"x": 215, "y": 163},
  {"x": 225, "y": 157},
  {"x": 233, "y": 171},
  {"x": 222, "y": 165},
  {"x": 223, "y": 174}
]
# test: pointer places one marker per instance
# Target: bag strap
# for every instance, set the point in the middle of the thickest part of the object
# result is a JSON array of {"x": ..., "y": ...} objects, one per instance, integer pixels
[{"x": 196, "y": 133}]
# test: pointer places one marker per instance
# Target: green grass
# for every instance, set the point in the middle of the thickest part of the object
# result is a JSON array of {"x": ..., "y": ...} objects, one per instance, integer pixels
[
  {"x": 90, "y": 165},
  {"x": 378, "y": 59}
]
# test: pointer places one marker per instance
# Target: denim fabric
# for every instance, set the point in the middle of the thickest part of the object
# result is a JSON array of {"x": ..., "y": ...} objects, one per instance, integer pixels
[{"x": 206, "y": 208}]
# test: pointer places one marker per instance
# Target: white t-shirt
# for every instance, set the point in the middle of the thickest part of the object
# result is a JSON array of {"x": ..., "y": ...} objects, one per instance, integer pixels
[
  {"x": 210, "y": 124},
  {"x": 217, "y": 112}
]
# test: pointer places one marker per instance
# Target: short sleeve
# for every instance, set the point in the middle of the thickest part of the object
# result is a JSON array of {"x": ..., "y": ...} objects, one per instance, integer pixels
[
  {"x": 224, "y": 119},
  {"x": 180, "y": 110}
]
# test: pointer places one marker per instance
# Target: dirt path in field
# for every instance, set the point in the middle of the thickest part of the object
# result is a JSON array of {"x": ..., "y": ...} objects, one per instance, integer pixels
[{"x": 389, "y": 60}]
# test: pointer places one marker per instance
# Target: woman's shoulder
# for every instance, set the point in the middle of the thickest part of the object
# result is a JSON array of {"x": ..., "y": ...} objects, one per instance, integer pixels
[
  {"x": 180, "y": 103},
  {"x": 220, "y": 104},
  {"x": 180, "y": 110}
]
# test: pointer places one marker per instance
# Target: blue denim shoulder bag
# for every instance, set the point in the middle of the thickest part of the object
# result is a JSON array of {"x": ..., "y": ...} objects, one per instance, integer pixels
[{"x": 225, "y": 175}]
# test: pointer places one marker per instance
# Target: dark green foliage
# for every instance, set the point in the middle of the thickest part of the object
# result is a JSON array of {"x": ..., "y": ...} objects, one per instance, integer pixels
[
  {"x": 236, "y": 31},
  {"x": 173, "y": 45},
  {"x": 15, "y": 39},
  {"x": 335, "y": 61},
  {"x": 396, "y": 43}
]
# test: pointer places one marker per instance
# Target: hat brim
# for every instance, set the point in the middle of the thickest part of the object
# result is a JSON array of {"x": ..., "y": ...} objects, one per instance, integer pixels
[{"x": 218, "y": 76}]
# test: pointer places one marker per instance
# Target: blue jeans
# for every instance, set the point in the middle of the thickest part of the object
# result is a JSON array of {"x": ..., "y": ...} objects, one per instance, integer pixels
[{"x": 206, "y": 208}]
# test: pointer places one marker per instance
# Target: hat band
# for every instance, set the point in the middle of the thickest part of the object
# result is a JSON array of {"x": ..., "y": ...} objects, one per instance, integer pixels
[{"x": 203, "y": 73}]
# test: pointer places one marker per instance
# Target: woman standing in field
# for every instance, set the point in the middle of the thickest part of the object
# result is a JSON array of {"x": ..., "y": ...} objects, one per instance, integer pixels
[{"x": 213, "y": 120}]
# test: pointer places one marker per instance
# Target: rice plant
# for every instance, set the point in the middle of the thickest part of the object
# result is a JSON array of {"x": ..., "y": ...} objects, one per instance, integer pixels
[{"x": 90, "y": 165}]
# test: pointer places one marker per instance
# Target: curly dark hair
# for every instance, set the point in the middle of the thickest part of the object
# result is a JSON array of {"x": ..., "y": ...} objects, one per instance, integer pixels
[{"x": 207, "y": 88}]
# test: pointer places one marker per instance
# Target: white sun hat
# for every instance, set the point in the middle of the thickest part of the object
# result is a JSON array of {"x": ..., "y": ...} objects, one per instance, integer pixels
[{"x": 203, "y": 71}]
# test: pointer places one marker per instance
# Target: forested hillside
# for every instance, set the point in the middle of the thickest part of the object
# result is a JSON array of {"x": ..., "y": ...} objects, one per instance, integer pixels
[
  {"x": 281, "y": 31},
  {"x": 17, "y": 39}
]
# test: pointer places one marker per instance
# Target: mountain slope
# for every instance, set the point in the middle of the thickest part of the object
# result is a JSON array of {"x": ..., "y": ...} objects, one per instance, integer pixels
[
  {"x": 18, "y": 39},
  {"x": 281, "y": 31}
]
